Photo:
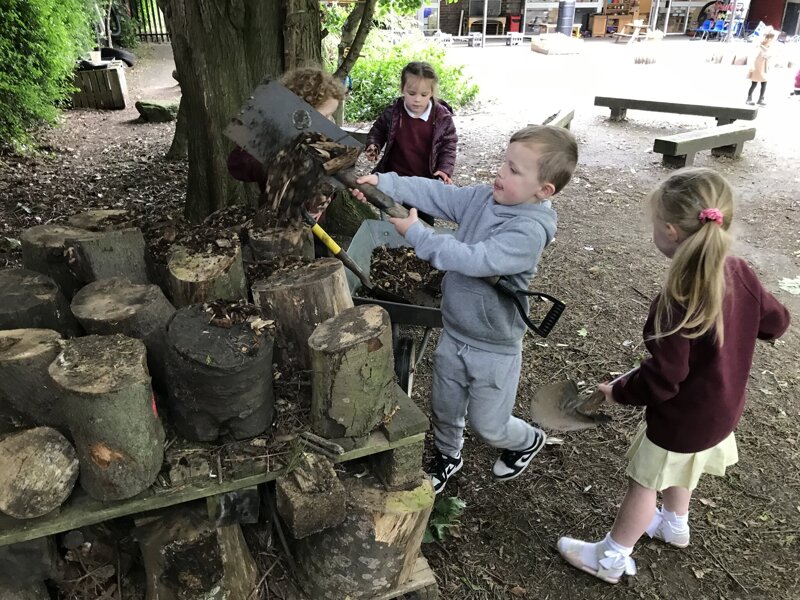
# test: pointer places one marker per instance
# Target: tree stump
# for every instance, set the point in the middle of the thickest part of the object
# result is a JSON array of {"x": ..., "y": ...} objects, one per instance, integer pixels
[
  {"x": 353, "y": 372},
  {"x": 38, "y": 468},
  {"x": 280, "y": 241},
  {"x": 298, "y": 301},
  {"x": 219, "y": 379},
  {"x": 103, "y": 254},
  {"x": 25, "y": 384},
  {"x": 193, "y": 278},
  {"x": 29, "y": 299},
  {"x": 185, "y": 557},
  {"x": 373, "y": 550},
  {"x": 43, "y": 250},
  {"x": 109, "y": 409},
  {"x": 101, "y": 219},
  {"x": 116, "y": 305}
]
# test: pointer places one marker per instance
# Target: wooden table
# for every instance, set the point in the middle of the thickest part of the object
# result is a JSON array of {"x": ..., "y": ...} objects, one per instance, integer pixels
[{"x": 498, "y": 22}]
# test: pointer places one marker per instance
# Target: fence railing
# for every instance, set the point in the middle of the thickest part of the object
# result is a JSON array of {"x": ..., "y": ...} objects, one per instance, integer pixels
[{"x": 148, "y": 21}]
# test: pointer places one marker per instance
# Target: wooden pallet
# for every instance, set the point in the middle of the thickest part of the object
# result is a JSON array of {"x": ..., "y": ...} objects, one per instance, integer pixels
[
  {"x": 101, "y": 88},
  {"x": 422, "y": 584}
]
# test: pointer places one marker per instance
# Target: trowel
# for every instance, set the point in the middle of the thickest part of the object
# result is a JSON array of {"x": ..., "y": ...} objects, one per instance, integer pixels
[{"x": 560, "y": 406}]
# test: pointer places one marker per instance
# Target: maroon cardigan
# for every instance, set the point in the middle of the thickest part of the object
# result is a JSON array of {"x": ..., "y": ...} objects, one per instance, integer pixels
[
  {"x": 443, "y": 145},
  {"x": 694, "y": 389}
]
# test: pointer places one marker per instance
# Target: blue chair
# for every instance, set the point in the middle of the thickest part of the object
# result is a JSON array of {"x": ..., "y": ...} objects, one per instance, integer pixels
[
  {"x": 718, "y": 29},
  {"x": 703, "y": 29}
]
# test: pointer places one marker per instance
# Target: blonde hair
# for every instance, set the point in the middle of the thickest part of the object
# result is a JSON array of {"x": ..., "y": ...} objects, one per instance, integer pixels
[
  {"x": 696, "y": 277},
  {"x": 558, "y": 149},
  {"x": 315, "y": 86}
]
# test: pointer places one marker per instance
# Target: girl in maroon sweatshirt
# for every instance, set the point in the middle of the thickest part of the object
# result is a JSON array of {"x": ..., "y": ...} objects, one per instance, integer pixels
[
  {"x": 417, "y": 131},
  {"x": 701, "y": 333}
]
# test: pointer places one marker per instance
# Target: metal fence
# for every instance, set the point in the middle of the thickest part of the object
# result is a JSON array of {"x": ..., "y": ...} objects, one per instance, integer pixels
[{"x": 148, "y": 21}]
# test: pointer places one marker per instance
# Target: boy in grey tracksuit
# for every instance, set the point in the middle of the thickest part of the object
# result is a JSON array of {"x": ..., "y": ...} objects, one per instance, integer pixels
[{"x": 503, "y": 230}]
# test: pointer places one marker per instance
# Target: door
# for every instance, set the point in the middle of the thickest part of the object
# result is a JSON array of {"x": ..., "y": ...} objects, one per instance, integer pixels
[
  {"x": 659, "y": 15},
  {"x": 791, "y": 19}
]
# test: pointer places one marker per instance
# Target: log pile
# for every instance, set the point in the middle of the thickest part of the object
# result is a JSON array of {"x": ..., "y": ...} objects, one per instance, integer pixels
[{"x": 31, "y": 300}]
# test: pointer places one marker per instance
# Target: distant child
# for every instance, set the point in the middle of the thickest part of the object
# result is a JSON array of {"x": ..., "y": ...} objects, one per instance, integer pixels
[
  {"x": 796, "y": 84},
  {"x": 701, "y": 333},
  {"x": 503, "y": 230},
  {"x": 417, "y": 130},
  {"x": 320, "y": 90},
  {"x": 758, "y": 72}
]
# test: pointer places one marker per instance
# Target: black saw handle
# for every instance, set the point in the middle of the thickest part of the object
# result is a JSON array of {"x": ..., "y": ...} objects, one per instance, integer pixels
[{"x": 549, "y": 321}]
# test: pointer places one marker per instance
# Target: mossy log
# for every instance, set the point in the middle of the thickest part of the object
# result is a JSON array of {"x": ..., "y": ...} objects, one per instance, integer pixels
[
  {"x": 373, "y": 550},
  {"x": 298, "y": 301},
  {"x": 102, "y": 254},
  {"x": 43, "y": 251},
  {"x": 29, "y": 299},
  {"x": 345, "y": 215},
  {"x": 353, "y": 372},
  {"x": 25, "y": 384},
  {"x": 280, "y": 241},
  {"x": 116, "y": 305},
  {"x": 185, "y": 557},
  {"x": 38, "y": 468},
  {"x": 199, "y": 277},
  {"x": 109, "y": 409},
  {"x": 219, "y": 379}
]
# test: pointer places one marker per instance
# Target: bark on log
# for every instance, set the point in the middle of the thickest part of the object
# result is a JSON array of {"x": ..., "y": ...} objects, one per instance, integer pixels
[
  {"x": 353, "y": 372},
  {"x": 103, "y": 254},
  {"x": 101, "y": 219},
  {"x": 38, "y": 468},
  {"x": 43, "y": 249},
  {"x": 29, "y": 299},
  {"x": 186, "y": 557},
  {"x": 109, "y": 409},
  {"x": 25, "y": 384},
  {"x": 194, "y": 278},
  {"x": 301, "y": 36},
  {"x": 298, "y": 301},
  {"x": 280, "y": 241},
  {"x": 218, "y": 379},
  {"x": 178, "y": 150},
  {"x": 116, "y": 305},
  {"x": 373, "y": 550}
]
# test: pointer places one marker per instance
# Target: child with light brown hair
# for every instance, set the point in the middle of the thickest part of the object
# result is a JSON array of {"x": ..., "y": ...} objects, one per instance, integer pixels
[{"x": 701, "y": 333}]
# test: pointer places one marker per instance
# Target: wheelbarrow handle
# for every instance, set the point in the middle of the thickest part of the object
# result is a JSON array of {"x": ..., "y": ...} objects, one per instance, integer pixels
[{"x": 549, "y": 321}]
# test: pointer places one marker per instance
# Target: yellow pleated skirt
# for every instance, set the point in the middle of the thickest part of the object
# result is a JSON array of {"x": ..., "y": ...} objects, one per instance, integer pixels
[{"x": 657, "y": 469}]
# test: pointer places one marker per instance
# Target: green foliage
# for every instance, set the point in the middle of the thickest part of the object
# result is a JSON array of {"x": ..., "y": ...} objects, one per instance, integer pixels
[
  {"x": 376, "y": 75},
  {"x": 39, "y": 42},
  {"x": 443, "y": 517}
]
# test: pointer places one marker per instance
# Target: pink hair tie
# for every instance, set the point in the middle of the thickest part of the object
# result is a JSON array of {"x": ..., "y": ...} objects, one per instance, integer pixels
[{"x": 711, "y": 214}]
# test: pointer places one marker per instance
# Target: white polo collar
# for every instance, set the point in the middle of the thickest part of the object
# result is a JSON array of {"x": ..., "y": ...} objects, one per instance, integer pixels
[{"x": 424, "y": 116}]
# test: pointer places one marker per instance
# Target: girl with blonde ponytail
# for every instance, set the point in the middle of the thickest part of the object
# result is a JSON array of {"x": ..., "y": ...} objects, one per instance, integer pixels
[{"x": 701, "y": 333}]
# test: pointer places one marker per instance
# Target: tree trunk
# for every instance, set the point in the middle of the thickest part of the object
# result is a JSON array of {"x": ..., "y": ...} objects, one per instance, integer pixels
[
  {"x": 302, "y": 37},
  {"x": 228, "y": 46},
  {"x": 31, "y": 300},
  {"x": 280, "y": 241},
  {"x": 178, "y": 150},
  {"x": 25, "y": 384},
  {"x": 195, "y": 278},
  {"x": 219, "y": 378},
  {"x": 110, "y": 253},
  {"x": 39, "y": 468},
  {"x": 373, "y": 550},
  {"x": 353, "y": 372},
  {"x": 345, "y": 215},
  {"x": 109, "y": 409},
  {"x": 116, "y": 305},
  {"x": 43, "y": 249},
  {"x": 300, "y": 300}
]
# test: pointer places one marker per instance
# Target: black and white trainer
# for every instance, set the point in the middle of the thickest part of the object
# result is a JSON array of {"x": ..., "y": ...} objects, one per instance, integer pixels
[
  {"x": 442, "y": 468},
  {"x": 512, "y": 463}
]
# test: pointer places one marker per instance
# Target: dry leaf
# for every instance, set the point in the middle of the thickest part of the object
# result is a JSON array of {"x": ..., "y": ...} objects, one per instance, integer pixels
[
  {"x": 707, "y": 502},
  {"x": 699, "y": 573},
  {"x": 223, "y": 243},
  {"x": 519, "y": 592}
]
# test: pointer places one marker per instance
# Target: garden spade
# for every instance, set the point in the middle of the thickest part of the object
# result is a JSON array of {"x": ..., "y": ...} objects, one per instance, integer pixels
[{"x": 560, "y": 406}]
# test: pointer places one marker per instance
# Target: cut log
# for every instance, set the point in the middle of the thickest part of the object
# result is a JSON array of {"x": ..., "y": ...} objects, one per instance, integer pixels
[
  {"x": 38, "y": 468},
  {"x": 373, "y": 550},
  {"x": 25, "y": 384},
  {"x": 186, "y": 557},
  {"x": 101, "y": 220},
  {"x": 29, "y": 299},
  {"x": 353, "y": 372},
  {"x": 194, "y": 278},
  {"x": 116, "y": 305},
  {"x": 281, "y": 241},
  {"x": 219, "y": 379},
  {"x": 103, "y": 254},
  {"x": 298, "y": 301},
  {"x": 109, "y": 409},
  {"x": 43, "y": 251}
]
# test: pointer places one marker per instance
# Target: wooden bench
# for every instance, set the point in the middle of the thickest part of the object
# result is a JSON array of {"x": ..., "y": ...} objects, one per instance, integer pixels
[
  {"x": 562, "y": 118},
  {"x": 723, "y": 114},
  {"x": 725, "y": 140}
]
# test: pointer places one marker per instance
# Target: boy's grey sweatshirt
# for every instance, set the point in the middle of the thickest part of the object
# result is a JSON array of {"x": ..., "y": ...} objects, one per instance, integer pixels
[{"x": 492, "y": 239}]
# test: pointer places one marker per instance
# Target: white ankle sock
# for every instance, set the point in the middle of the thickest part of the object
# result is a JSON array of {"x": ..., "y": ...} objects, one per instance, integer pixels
[
  {"x": 589, "y": 552},
  {"x": 611, "y": 544},
  {"x": 678, "y": 522},
  {"x": 654, "y": 523}
]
